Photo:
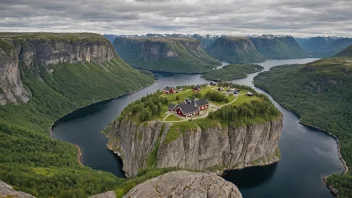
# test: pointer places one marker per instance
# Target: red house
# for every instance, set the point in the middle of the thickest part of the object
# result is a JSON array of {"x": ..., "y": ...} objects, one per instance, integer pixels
[
  {"x": 187, "y": 110},
  {"x": 168, "y": 90}
]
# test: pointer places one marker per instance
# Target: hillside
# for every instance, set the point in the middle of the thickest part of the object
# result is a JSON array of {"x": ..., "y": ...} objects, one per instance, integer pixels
[
  {"x": 167, "y": 54},
  {"x": 43, "y": 77},
  {"x": 345, "y": 53},
  {"x": 321, "y": 92},
  {"x": 278, "y": 47},
  {"x": 324, "y": 46},
  {"x": 232, "y": 72},
  {"x": 234, "y": 50}
]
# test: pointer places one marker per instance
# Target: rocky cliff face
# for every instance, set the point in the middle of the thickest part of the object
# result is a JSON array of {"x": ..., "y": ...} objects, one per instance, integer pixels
[
  {"x": 278, "y": 47},
  {"x": 215, "y": 148},
  {"x": 234, "y": 50},
  {"x": 186, "y": 185},
  {"x": 170, "y": 54},
  {"x": 7, "y": 191},
  {"x": 42, "y": 52}
]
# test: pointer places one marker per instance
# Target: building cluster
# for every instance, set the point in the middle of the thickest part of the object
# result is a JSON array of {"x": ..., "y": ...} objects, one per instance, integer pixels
[{"x": 189, "y": 107}]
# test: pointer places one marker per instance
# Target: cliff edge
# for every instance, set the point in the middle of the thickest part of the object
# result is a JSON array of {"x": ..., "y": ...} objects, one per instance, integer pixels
[{"x": 41, "y": 52}]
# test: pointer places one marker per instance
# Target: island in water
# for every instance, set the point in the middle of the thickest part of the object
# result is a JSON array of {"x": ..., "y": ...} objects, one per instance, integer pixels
[
  {"x": 213, "y": 127},
  {"x": 232, "y": 72}
]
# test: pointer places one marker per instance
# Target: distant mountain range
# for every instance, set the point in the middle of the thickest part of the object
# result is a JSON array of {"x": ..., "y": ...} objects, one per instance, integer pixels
[
  {"x": 167, "y": 54},
  {"x": 324, "y": 46}
]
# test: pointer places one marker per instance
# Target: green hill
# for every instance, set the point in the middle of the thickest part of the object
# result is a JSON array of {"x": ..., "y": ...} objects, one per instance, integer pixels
[
  {"x": 167, "y": 54},
  {"x": 278, "y": 47},
  {"x": 51, "y": 75},
  {"x": 345, "y": 53},
  {"x": 234, "y": 50},
  {"x": 232, "y": 72},
  {"x": 321, "y": 92}
]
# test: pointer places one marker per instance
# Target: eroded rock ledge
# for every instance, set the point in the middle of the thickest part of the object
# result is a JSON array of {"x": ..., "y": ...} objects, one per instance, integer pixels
[
  {"x": 185, "y": 184},
  {"x": 212, "y": 149}
]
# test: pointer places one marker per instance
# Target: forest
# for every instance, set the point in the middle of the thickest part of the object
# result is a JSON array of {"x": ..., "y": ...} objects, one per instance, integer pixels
[
  {"x": 32, "y": 161},
  {"x": 321, "y": 93},
  {"x": 232, "y": 72}
]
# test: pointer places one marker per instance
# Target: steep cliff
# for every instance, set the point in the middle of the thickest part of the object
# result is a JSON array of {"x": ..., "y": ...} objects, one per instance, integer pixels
[
  {"x": 168, "y": 54},
  {"x": 220, "y": 147},
  {"x": 278, "y": 47},
  {"x": 41, "y": 52},
  {"x": 186, "y": 185},
  {"x": 234, "y": 50},
  {"x": 11, "y": 87}
]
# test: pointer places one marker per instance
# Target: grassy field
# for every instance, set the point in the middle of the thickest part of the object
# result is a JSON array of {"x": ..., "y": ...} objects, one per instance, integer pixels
[{"x": 172, "y": 117}]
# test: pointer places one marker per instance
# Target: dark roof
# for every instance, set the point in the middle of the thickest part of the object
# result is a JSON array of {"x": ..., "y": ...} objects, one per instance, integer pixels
[
  {"x": 167, "y": 88},
  {"x": 188, "y": 108},
  {"x": 213, "y": 83},
  {"x": 201, "y": 102},
  {"x": 172, "y": 106},
  {"x": 196, "y": 87}
]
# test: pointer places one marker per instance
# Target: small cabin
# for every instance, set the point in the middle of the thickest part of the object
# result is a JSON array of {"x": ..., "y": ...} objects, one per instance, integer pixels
[
  {"x": 196, "y": 88},
  {"x": 212, "y": 83},
  {"x": 220, "y": 89},
  {"x": 168, "y": 90},
  {"x": 202, "y": 104},
  {"x": 249, "y": 93}
]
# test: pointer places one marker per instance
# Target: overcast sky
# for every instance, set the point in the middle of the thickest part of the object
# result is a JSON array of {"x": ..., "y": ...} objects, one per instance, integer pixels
[{"x": 235, "y": 17}]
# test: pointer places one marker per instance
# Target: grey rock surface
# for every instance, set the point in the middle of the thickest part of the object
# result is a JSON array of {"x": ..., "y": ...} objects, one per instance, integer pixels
[
  {"x": 7, "y": 191},
  {"x": 38, "y": 54},
  {"x": 109, "y": 194},
  {"x": 186, "y": 185},
  {"x": 213, "y": 149}
]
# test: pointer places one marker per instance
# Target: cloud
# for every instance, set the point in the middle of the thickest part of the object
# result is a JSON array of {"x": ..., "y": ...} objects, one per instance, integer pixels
[{"x": 294, "y": 17}]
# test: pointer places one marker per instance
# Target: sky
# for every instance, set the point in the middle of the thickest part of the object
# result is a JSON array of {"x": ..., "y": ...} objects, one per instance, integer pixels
[{"x": 301, "y": 18}]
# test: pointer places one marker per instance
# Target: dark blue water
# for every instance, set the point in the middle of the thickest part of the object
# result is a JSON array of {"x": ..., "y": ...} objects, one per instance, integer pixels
[{"x": 307, "y": 155}]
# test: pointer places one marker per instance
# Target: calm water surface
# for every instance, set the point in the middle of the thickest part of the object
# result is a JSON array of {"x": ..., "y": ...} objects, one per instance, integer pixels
[{"x": 307, "y": 155}]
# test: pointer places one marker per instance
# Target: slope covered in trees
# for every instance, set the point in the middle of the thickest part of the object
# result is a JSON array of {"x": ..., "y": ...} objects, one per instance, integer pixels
[
  {"x": 321, "y": 92},
  {"x": 32, "y": 161},
  {"x": 168, "y": 54},
  {"x": 231, "y": 72}
]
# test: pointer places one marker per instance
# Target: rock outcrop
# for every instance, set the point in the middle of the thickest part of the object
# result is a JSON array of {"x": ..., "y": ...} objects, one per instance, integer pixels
[
  {"x": 212, "y": 149},
  {"x": 109, "y": 194},
  {"x": 7, "y": 191},
  {"x": 168, "y": 54},
  {"x": 41, "y": 52},
  {"x": 234, "y": 50},
  {"x": 186, "y": 185}
]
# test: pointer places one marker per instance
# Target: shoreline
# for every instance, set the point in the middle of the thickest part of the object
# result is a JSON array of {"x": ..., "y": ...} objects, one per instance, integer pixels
[
  {"x": 79, "y": 151},
  {"x": 331, "y": 188}
]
